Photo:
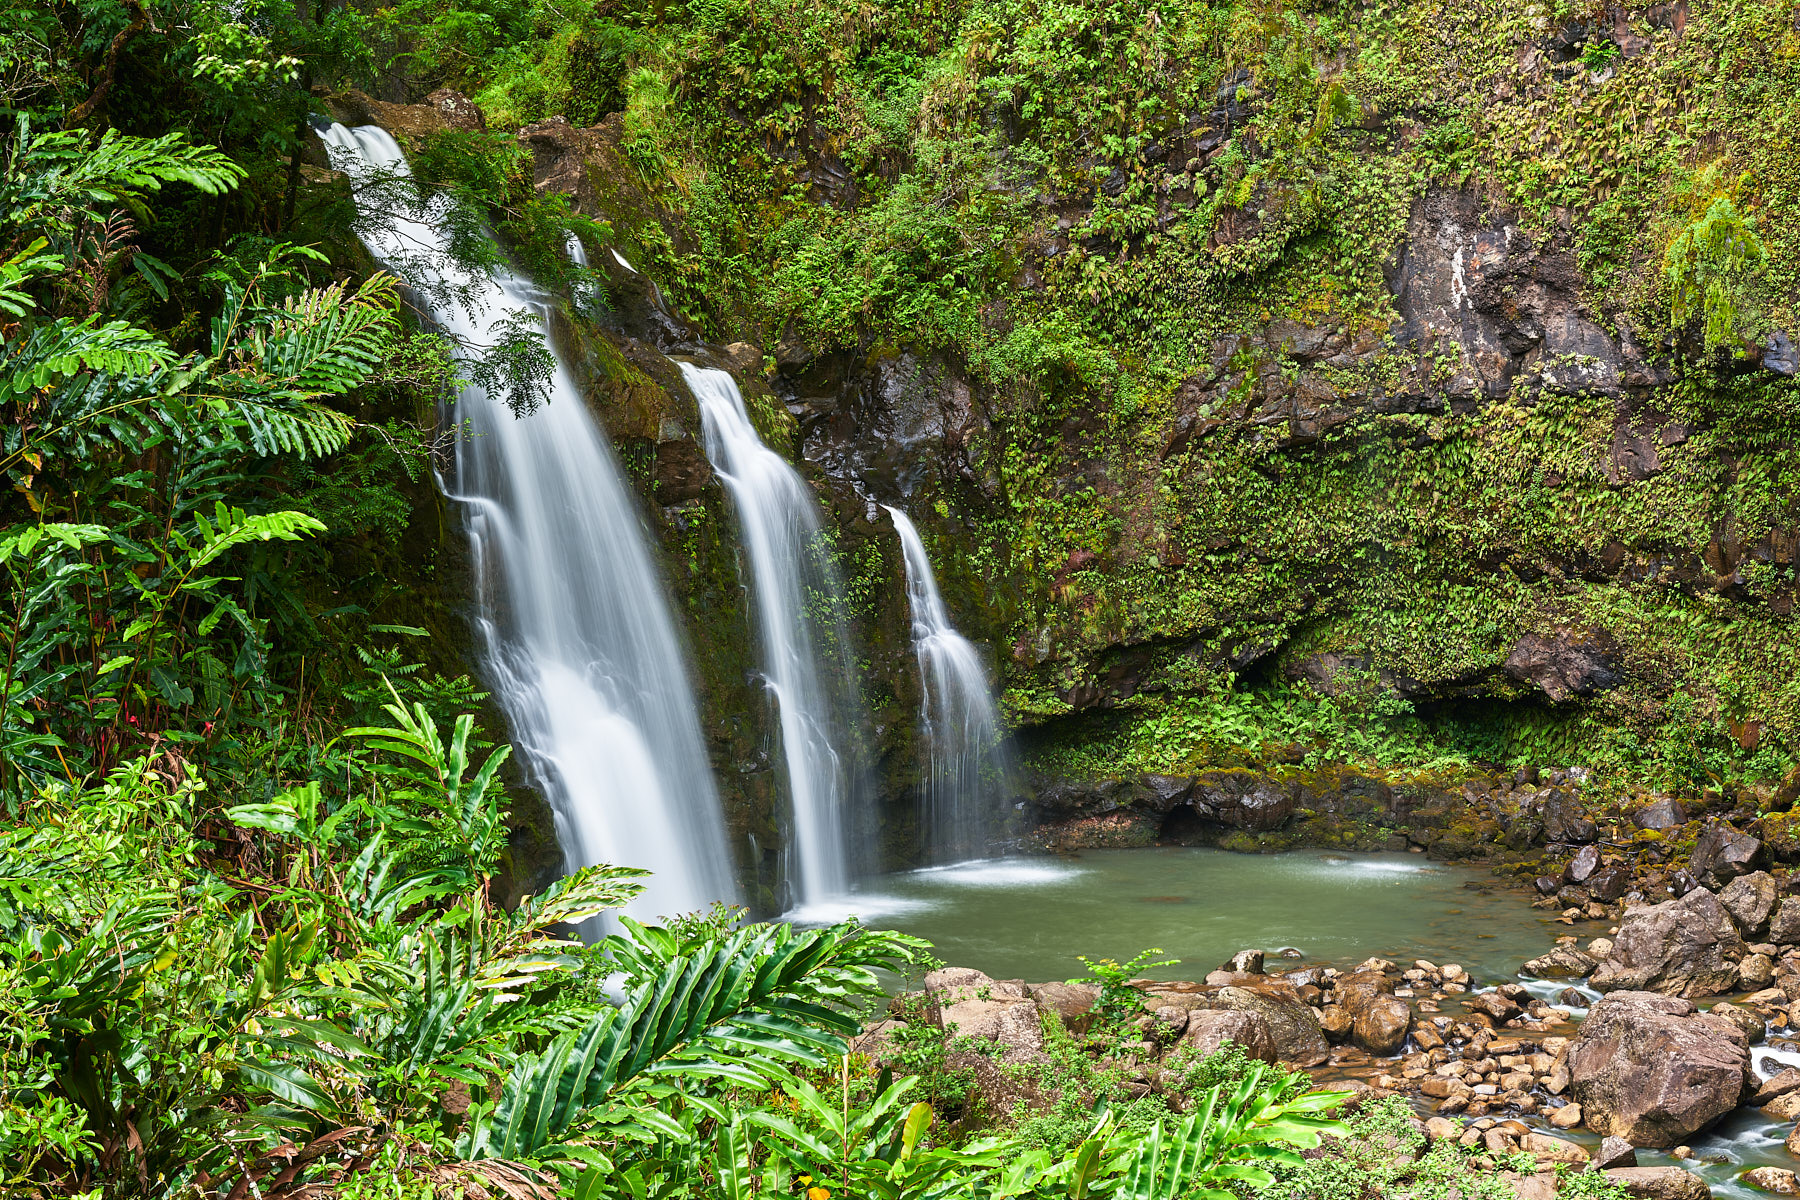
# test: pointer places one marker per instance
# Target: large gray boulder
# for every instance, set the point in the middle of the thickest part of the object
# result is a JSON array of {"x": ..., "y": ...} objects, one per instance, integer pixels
[
  {"x": 1750, "y": 899},
  {"x": 1662, "y": 813},
  {"x": 1648, "y": 1069},
  {"x": 1209, "y": 1029},
  {"x": 1565, "y": 820},
  {"x": 1072, "y": 1002},
  {"x": 1784, "y": 926},
  {"x": 1685, "y": 947},
  {"x": 969, "y": 1004},
  {"x": 1721, "y": 854},
  {"x": 1294, "y": 1026}
]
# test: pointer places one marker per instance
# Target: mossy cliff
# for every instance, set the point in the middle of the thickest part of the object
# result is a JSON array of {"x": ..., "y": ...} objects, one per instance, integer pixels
[{"x": 1397, "y": 384}]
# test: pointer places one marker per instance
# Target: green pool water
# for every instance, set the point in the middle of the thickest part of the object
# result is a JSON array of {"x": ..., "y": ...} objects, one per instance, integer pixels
[{"x": 1027, "y": 918}]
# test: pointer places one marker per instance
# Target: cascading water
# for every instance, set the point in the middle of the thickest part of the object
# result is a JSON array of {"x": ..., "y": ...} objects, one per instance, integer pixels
[
  {"x": 803, "y": 638},
  {"x": 580, "y": 647},
  {"x": 968, "y": 770}
]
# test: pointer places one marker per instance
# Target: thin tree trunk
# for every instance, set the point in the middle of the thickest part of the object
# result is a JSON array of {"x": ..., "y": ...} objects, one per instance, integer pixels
[{"x": 109, "y": 67}]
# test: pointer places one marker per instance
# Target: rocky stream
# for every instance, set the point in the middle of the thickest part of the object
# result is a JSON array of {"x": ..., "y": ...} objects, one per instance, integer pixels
[{"x": 1646, "y": 1024}]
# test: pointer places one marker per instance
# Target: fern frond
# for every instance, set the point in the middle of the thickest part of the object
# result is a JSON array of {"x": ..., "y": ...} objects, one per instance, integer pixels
[
  {"x": 58, "y": 350},
  {"x": 304, "y": 430},
  {"x": 234, "y": 527},
  {"x": 326, "y": 340},
  {"x": 709, "y": 1014}
]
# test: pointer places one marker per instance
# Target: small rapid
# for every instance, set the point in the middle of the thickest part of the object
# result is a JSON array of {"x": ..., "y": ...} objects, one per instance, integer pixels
[{"x": 578, "y": 642}]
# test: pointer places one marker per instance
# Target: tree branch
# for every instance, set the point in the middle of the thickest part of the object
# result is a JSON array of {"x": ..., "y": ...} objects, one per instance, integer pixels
[{"x": 139, "y": 18}]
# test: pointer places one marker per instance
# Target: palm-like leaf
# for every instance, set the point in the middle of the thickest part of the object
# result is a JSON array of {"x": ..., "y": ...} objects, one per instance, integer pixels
[{"x": 703, "y": 1016}]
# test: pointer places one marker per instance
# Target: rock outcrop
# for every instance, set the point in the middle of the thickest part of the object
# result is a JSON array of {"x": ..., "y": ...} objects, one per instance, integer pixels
[
  {"x": 968, "y": 1004},
  {"x": 1648, "y": 1069},
  {"x": 1685, "y": 947},
  {"x": 1243, "y": 799},
  {"x": 1566, "y": 663}
]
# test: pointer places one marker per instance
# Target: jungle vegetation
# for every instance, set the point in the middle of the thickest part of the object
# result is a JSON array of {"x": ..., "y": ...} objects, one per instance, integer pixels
[{"x": 256, "y": 932}]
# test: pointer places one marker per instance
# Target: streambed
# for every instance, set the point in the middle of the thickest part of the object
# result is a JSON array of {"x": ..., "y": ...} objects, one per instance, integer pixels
[{"x": 1027, "y": 918}]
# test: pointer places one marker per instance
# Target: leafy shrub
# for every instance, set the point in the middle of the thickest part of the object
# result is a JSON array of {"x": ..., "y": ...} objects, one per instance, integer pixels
[{"x": 1118, "y": 999}]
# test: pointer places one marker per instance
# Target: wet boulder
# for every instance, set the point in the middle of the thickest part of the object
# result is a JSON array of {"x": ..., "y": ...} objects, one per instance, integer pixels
[
  {"x": 1685, "y": 947},
  {"x": 1168, "y": 791},
  {"x": 1750, "y": 899},
  {"x": 1564, "y": 962},
  {"x": 1581, "y": 868},
  {"x": 1610, "y": 883},
  {"x": 1246, "y": 962},
  {"x": 1775, "y": 1180},
  {"x": 1495, "y": 1005},
  {"x": 1646, "y": 1068},
  {"x": 1722, "y": 854},
  {"x": 1565, "y": 820}
]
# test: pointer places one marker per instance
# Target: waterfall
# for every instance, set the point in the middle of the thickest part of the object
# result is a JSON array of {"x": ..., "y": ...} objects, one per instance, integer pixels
[
  {"x": 579, "y": 644},
  {"x": 968, "y": 769},
  {"x": 796, "y": 593}
]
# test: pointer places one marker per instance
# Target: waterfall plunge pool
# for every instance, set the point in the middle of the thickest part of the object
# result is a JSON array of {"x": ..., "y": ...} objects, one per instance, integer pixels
[{"x": 1027, "y": 918}]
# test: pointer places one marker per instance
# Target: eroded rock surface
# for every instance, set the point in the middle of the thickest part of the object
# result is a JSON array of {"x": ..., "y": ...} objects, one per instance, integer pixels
[
  {"x": 1648, "y": 1069},
  {"x": 1685, "y": 947}
]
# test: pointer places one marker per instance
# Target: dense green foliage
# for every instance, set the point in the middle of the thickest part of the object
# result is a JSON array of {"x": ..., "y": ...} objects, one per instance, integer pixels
[
  {"x": 260, "y": 929},
  {"x": 1014, "y": 188}
]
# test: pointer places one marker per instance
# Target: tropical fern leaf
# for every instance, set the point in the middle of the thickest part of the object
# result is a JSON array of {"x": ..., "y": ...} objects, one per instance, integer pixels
[
  {"x": 703, "y": 1015},
  {"x": 304, "y": 430},
  {"x": 326, "y": 340},
  {"x": 49, "y": 174},
  {"x": 234, "y": 527},
  {"x": 60, "y": 349}
]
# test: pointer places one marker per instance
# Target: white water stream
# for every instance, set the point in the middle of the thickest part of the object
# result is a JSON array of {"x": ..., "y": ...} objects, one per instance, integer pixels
[
  {"x": 967, "y": 773},
  {"x": 580, "y": 647},
  {"x": 795, "y": 597}
]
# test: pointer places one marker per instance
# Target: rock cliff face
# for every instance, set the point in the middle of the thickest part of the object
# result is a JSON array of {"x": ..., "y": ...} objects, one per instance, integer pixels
[{"x": 1241, "y": 470}]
